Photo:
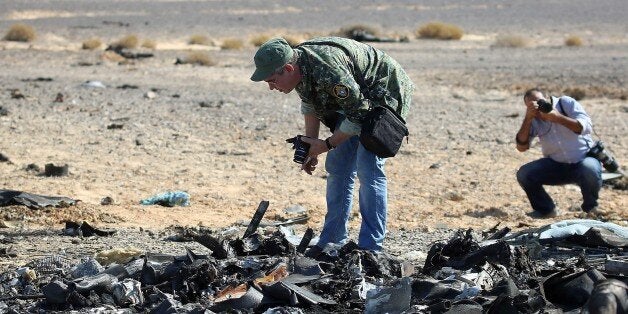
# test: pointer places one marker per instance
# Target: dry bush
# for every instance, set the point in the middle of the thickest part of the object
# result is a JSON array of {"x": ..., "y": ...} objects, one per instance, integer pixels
[
  {"x": 575, "y": 93},
  {"x": 232, "y": 44},
  {"x": 199, "y": 40},
  {"x": 149, "y": 44},
  {"x": 351, "y": 30},
  {"x": 573, "y": 41},
  {"x": 440, "y": 30},
  {"x": 126, "y": 42},
  {"x": 200, "y": 58},
  {"x": 20, "y": 32},
  {"x": 294, "y": 40},
  {"x": 91, "y": 44},
  {"x": 260, "y": 39},
  {"x": 511, "y": 41}
]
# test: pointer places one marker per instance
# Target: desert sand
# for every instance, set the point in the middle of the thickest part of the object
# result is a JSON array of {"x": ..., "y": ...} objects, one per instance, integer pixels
[{"x": 210, "y": 131}]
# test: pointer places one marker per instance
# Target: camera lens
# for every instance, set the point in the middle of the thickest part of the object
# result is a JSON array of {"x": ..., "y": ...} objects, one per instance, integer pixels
[{"x": 544, "y": 106}]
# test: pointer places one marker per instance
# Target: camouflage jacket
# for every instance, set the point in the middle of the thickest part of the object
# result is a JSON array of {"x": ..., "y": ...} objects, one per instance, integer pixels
[{"x": 343, "y": 75}]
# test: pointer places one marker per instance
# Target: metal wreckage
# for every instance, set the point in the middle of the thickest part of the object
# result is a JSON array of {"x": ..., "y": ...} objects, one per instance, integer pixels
[{"x": 571, "y": 266}]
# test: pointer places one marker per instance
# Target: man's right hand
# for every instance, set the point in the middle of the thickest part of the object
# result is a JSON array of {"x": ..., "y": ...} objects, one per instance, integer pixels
[{"x": 310, "y": 164}]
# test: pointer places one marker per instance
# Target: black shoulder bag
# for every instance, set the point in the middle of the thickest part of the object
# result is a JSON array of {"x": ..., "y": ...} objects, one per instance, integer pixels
[{"x": 383, "y": 129}]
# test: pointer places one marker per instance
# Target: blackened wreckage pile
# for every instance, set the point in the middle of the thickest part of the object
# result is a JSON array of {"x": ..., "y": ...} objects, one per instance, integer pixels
[{"x": 568, "y": 266}]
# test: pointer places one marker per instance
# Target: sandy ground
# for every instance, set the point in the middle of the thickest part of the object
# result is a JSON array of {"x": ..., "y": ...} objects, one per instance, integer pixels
[{"x": 213, "y": 133}]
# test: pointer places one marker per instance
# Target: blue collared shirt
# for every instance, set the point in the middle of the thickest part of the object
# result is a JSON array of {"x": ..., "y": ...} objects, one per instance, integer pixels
[{"x": 559, "y": 142}]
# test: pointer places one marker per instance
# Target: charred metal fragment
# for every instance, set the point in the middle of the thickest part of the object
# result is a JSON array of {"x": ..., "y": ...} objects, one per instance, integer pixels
[{"x": 257, "y": 218}]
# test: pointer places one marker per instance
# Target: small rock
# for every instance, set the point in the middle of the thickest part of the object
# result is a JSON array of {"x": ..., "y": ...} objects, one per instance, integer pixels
[
  {"x": 150, "y": 95},
  {"x": 59, "y": 97},
  {"x": 107, "y": 200}
]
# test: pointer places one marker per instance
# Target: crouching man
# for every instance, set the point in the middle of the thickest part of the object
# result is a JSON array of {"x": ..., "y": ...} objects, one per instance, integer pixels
[{"x": 563, "y": 129}]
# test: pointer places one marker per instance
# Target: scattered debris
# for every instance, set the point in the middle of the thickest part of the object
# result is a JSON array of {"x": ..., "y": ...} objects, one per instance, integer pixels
[
  {"x": 39, "y": 79},
  {"x": 150, "y": 95},
  {"x": 93, "y": 84},
  {"x": 107, "y": 200},
  {"x": 16, "y": 94},
  {"x": 115, "y": 126},
  {"x": 168, "y": 199},
  {"x": 59, "y": 98},
  {"x": 50, "y": 170},
  {"x": 32, "y": 168},
  {"x": 542, "y": 270},
  {"x": 121, "y": 51},
  {"x": 84, "y": 230},
  {"x": 36, "y": 201},
  {"x": 127, "y": 86}
]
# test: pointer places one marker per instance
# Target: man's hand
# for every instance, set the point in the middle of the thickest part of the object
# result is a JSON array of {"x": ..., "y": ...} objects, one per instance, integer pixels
[
  {"x": 310, "y": 164},
  {"x": 317, "y": 146},
  {"x": 551, "y": 116}
]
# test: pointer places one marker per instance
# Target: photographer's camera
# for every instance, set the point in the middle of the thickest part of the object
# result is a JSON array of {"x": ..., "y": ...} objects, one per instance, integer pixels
[
  {"x": 544, "y": 106},
  {"x": 301, "y": 149}
]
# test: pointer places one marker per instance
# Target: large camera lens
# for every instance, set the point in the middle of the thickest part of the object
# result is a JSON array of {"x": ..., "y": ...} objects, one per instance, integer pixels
[
  {"x": 544, "y": 106},
  {"x": 599, "y": 153}
]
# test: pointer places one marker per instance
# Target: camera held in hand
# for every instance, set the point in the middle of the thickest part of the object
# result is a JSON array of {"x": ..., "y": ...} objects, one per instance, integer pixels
[
  {"x": 301, "y": 149},
  {"x": 599, "y": 153},
  {"x": 544, "y": 106}
]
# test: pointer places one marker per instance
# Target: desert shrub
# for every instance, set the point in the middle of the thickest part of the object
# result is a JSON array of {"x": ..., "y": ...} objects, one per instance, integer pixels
[
  {"x": 20, "y": 32},
  {"x": 126, "y": 42},
  {"x": 91, "y": 44},
  {"x": 351, "y": 30},
  {"x": 511, "y": 41},
  {"x": 149, "y": 44},
  {"x": 575, "y": 92},
  {"x": 200, "y": 58},
  {"x": 440, "y": 30},
  {"x": 259, "y": 39},
  {"x": 232, "y": 44},
  {"x": 573, "y": 41},
  {"x": 199, "y": 40},
  {"x": 294, "y": 40}
]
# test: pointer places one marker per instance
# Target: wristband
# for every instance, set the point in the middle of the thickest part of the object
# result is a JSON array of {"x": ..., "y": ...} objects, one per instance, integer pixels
[{"x": 329, "y": 146}]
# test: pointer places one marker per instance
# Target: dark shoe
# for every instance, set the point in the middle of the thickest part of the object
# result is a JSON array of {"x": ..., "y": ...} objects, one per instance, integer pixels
[{"x": 538, "y": 215}]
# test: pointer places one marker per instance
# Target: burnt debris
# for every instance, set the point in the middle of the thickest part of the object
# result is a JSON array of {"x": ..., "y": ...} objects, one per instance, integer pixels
[{"x": 265, "y": 271}]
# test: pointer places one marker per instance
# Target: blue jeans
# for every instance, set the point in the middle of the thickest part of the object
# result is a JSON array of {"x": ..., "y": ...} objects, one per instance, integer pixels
[
  {"x": 342, "y": 164},
  {"x": 587, "y": 174}
]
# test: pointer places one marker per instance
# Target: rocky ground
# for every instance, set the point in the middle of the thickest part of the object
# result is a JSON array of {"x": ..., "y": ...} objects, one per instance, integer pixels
[{"x": 155, "y": 126}]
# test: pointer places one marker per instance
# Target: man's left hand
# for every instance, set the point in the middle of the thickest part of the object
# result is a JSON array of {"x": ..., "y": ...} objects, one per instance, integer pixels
[
  {"x": 317, "y": 146},
  {"x": 550, "y": 116}
]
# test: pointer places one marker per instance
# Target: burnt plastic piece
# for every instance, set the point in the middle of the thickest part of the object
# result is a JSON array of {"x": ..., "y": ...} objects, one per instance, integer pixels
[
  {"x": 56, "y": 292},
  {"x": 85, "y": 230},
  {"x": 12, "y": 197},
  {"x": 609, "y": 296},
  {"x": 257, "y": 218},
  {"x": 571, "y": 289},
  {"x": 305, "y": 241},
  {"x": 56, "y": 171}
]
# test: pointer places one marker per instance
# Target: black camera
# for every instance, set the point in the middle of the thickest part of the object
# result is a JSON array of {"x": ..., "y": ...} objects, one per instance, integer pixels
[
  {"x": 544, "y": 106},
  {"x": 599, "y": 153},
  {"x": 301, "y": 149}
]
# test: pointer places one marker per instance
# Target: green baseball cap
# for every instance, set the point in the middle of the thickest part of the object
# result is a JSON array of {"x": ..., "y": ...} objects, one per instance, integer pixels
[{"x": 271, "y": 56}]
